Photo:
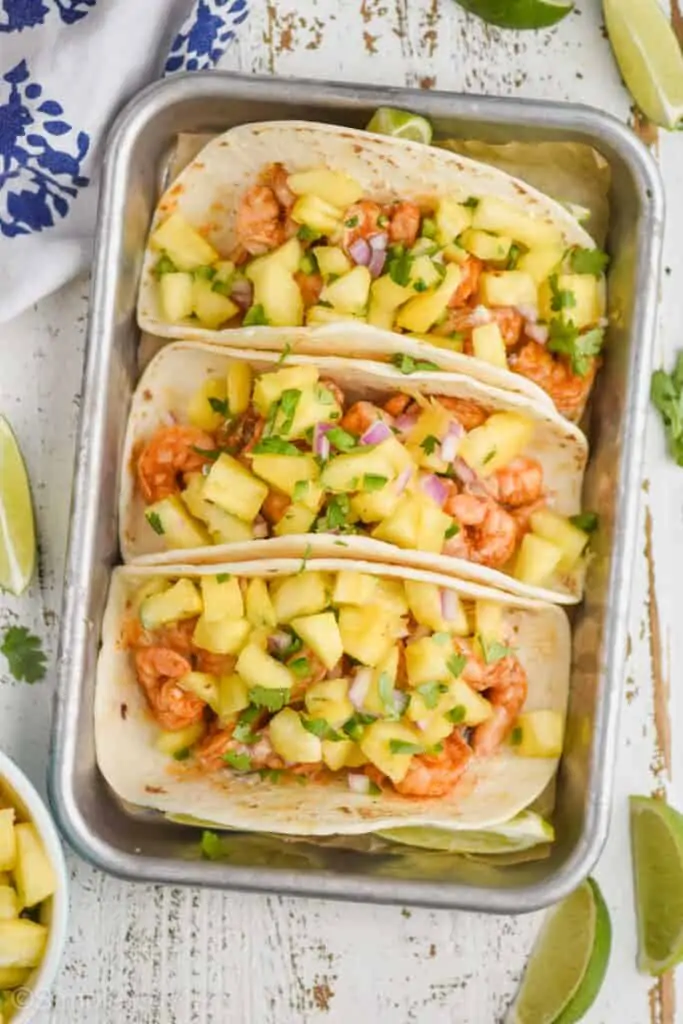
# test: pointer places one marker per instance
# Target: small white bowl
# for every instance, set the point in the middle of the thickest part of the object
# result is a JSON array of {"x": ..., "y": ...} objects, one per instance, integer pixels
[{"x": 35, "y": 994}]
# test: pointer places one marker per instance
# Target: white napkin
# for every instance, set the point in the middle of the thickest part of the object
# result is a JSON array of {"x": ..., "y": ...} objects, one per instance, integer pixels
[{"x": 66, "y": 68}]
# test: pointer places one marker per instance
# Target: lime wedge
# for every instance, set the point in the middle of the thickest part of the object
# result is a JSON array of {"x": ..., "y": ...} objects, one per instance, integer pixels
[
  {"x": 519, "y": 14},
  {"x": 17, "y": 534},
  {"x": 401, "y": 124},
  {"x": 520, "y": 833},
  {"x": 657, "y": 848},
  {"x": 568, "y": 962},
  {"x": 649, "y": 57}
]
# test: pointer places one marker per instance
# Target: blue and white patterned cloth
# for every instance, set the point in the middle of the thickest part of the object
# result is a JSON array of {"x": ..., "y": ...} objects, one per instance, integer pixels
[{"x": 66, "y": 69}]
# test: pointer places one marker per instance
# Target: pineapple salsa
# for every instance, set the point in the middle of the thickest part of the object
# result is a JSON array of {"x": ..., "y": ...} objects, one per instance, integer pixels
[
  {"x": 381, "y": 682},
  {"x": 286, "y": 453},
  {"x": 476, "y": 275}
]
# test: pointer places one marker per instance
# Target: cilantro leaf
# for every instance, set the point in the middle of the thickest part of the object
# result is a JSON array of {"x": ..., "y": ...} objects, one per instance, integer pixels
[
  {"x": 207, "y": 453},
  {"x": 430, "y": 444},
  {"x": 219, "y": 405},
  {"x": 354, "y": 727},
  {"x": 240, "y": 762},
  {"x": 24, "y": 654},
  {"x": 223, "y": 577},
  {"x": 452, "y": 531},
  {"x": 565, "y": 339},
  {"x": 561, "y": 298},
  {"x": 513, "y": 257},
  {"x": 493, "y": 650},
  {"x": 456, "y": 664},
  {"x": 471, "y": 204},
  {"x": 404, "y": 747},
  {"x": 300, "y": 490},
  {"x": 586, "y": 521},
  {"x": 255, "y": 316},
  {"x": 204, "y": 273},
  {"x": 286, "y": 350},
  {"x": 400, "y": 263},
  {"x": 457, "y": 714},
  {"x": 275, "y": 446},
  {"x": 385, "y": 689},
  {"x": 210, "y": 845},
  {"x": 516, "y": 736},
  {"x": 588, "y": 261},
  {"x": 430, "y": 693},
  {"x": 242, "y": 731},
  {"x": 307, "y": 234},
  {"x": 270, "y": 699},
  {"x": 666, "y": 392},
  {"x": 304, "y": 560},
  {"x": 300, "y": 667},
  {"x": 154, "y": 520},
  {"x": 406, "y": 364},
  {"x": 341, "y": 439},
  {"x": 336, "y": 514},
  {"x": 322, "y": 729},
  {"x": 164, "y": 265},
  {"x": 373, "y": 482},
  {"x": 289, "y": 401},
  {"x": 489, "y": 455},
  {"x": 182, "y": 754}
]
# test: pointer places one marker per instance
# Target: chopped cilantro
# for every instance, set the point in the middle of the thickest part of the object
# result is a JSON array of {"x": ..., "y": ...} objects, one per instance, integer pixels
[
  {"x": 306, "y": 234},
  {"x": 300, "y": 667},
  {"x": 286, "y": 350},
  {"x": 289, "y": 401},
  {"x": 586, "y": 521},
  {"x": 561, "y": 298},
  {"x": 428, "y": 228},
  {"x": 430, "y": 693},
  {"x": 304, "y": 560},
  {"x": 489, "y": 455},
  {"x": 223, "y": 577},
  {"x": 355, "y": 725},
  {"x": 255, "y": 316},
  {"x": 165, "y": 265},
  {"x": 204, "y": 273},
  {"x": 210, "y": 845},
  {"x": 322, "y": 729},
  {"x": 385, "y": 689},
  {"x": 588, "y": 261},
  {"x": 352, "y": 222},
  {"x": 308, "y": 264},
  {"x": 373, "y": 482},
  {"x": 240, "y": 762},
  {"x": 382, "y": 220},
  {"x": 404, "y": 747},
  {"x": 182, "y": 755},
  {"x": 452, "y": 531},
  {"x": 207, "y": 453},
  {"x": 399, "y": 266},
  {"x": 373, "y": 788},
  {"x": 420, "y": 285},
  {"x": 516, "y": 736},
  {"x": 406, "y": 364},
  {"x": 456, "y": 664},
  {"x": 430, "y": 444},
  {"x": 341, "y": 439},
  {"x": 270, "y": 699},
  {"x": 222, "y": 287},
  {"x": 275, "y": 446},
  {"x": 300, "y": 490},
  {"x": 666, "y": 392},
  {"x": 472, "y": 203},
  {"x": 242, "y": 731},
  {"x": 336, "y": 514},
  {"x": 271, "y": 774},
  {"x": 154, "y": 520},
  {"x": 219, "y": 405},
  {"x": 493, "y": 650},
  {"x": 457, "y": 714},
  {"x": 513, "y": 257},
  {"x": 565, "y": 339}
]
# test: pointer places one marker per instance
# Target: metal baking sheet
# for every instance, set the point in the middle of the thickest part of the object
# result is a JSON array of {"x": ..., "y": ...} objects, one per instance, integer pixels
[{"x": 139, "y": 845}]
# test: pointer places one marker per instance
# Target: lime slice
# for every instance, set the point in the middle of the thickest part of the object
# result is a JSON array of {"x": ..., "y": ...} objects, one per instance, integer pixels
[
  {"x": 657, "y": 848},
  {"x": 519, "y": 14},
  {"x": 568, "y": 961},
  {"x": 520, "y": 833},
  {"x": 17, "y": 534},
  {"x": 649, "y": 57},
  {"x": 401, "y": 124}
]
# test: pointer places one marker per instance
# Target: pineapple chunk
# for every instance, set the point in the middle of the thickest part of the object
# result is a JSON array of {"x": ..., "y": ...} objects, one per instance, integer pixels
[
  {"x": 376, "y": 744},
  {"x": 496, "y": 442},
  {"x": 9, "y": 906},
  {"x": 427, "y": 659},
  {"x": 391, "y": 596},
  {"x": 269, "y": 387},
  {"x": 493, "y": 248},
  {"x": 367, "y": 633},
  {"x": 278, "y": 293},
  {"x": 373, "y": 506},
  {"x": 200, "y": 411},
  {"x": 423, "y": 273},
  {"x": 8, "y": 840},
  {"x": 387, "y": 295},
  {"x": 170, "y": 519},
  {"x": 287, "y": 256},
  {"x": 336, "y": 753},
  {"x": 202, "y": 685},
  {"x": 315, "y": 405},
  {"x": 333, "y": 187},
  {"x": 541, "y": 262},
  {"x": 332, "y": 260},
  {"x": 433, "y": 421},
  {"x": 353, "y": 587},
  {"x": 560, "y": 531},
  {"x": 507, "y": 288},
  {"x": 421, "y": 313},
  {"x": 223, "y": 636},
  {"x": 183, "y": 244},
  {"x": 285, "y": 471},
  {"x": 177, "y": 296},
  {"x": 502, "y": 217},
  {"x": 451, "y": 220},
  {"x": 345, "y": 472},
  {"x": 537, "y": 560},
  {"x": 329, "y": 700},
  {"x": 488, "y": 617},
  {"x": 34, "y": 876},
  {"x": 234, "y": 488},
  {"x": 538, "y": 734},
  {"x": 383, "y": 675},
  {"x": 321, "y": 633},
  {"x": 211, "y": 308},
  {"x": 432, "y": 527},
  {"x": 402, "y": 527},
  {"x": 300, "y": 595},
  {"x": 349, "y": 293},
  {"x": 22, "y": 942},
  {"x": 488, "y": 344},
  {"x": 257, "y": 668},
  {"x": 309, "y": 494},
  {"x": 172, "y": 743},
  {"x": 222, "y": 598},
  {"x": 238, "y": 387},
  {"x": 12, "y": 977},
  {"x": 476, "y": 709},
  {"x": 291, "y": 740},
  {"x": 223, "y": 527},
  {"x": 585, "y": 308},
  {"x": 259, "y": 607},
  {"x": 233, "y": 696},
  {"x": 317, "y": 214},
  {"x": 297, "y": 519},
  {"x": 181, "y": 601},
  {"x": 434, "y": 729},
  {"x": 426, "y": 604}
]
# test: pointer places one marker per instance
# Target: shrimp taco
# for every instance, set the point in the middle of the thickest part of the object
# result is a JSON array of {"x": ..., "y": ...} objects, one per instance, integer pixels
[
  {"x": 323, "y": 699},
  {"x": 309, "y": 227},
  {"x": 231, "y": 455}
]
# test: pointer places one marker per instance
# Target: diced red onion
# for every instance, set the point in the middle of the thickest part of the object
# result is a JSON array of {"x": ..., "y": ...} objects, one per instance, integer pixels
[
  {"x": 359, "y": 687},
  {"x": 405, "y": 422},
  {"x": 378, "y": 432},
  {"x": 603, "y": 321},
  {"x": 168, "y": 419},
  {"x": 480, "y": 315},
  {"x": 449, "y": 445},
  {"x": 379, "y": 242},
  {"x": 242, "y": 292},
  {"x": 449, "y": 604},
  {"x": 400, "y": 701},
  {"x": 528, "y": 312},
  {"x": 260, "y": 529},
  {"x": 378, "y": 245},
  {"x": 434, "y": 488},
  {"x": 422, "y": 724},
  {"x": 321, "y": 443},
  {"x": 403, "y": 479},
  {"x": 537, "y": 332},
  {"x": 464, "y": 473},
  {"x": 278, "y": 642},
  {"x": 360, "y": 252},
  {"x": 359, "y": 783}
]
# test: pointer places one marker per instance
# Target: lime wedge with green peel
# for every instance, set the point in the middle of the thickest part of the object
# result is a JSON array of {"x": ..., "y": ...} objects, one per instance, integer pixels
[
  {"x": 568, "y": 962},
  {"x": 519, "y": 14},
  {"x": 17, "y": 533},
  {"x": 520, "y": 833},
  {"x": 657, "y": 848},
  {"x": 649, "y": 58},
  {"x": 401, "y": 124}
]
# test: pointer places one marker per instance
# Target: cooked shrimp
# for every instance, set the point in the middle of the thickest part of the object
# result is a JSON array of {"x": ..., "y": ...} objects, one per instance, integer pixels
[
  {"x": 404, "y": 223},
  {"x": 397, "y": 404},
  {"x": 436, "y": 774},
  {"x": 470, "y": 272},
  {"x": 491, "y": 531},
  {"x": 214, "y": 664},
  {"x": 507, "y": 693},
  {"x": 315, "y": 671},
  {"x": 359, "y": 416},
  {"x": 554, "y": 374},
  {"x": 275, "y": 506},
  {"x": 519, "y": 483},
  {"x": 170, "y": 453},
  {"x": 240, "y": 435},
  {"x": 360, "y": 221},
  {"x": 276, "y": 178},
  {"x": 469, "y": 414},
  {"x": 177, "y": 636},
  {"x": 259, "y": 227},
  {"x": 310, "y": 286},
  {"x": 465, "y": 319},
  {"x": 158, "y": 670}
]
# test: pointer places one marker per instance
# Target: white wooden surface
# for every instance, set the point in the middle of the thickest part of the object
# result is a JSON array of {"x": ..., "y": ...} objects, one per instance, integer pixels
[{"x": 150, "y": 955}]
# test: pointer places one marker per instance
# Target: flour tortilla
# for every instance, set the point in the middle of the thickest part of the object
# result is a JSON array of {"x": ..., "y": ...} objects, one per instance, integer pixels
[
  {"x": 178, "y": 370},
  {"x": 208, "y": 191},
  {"x": 493, "y": 790}
]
